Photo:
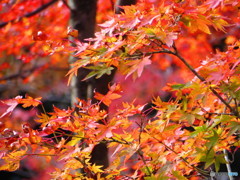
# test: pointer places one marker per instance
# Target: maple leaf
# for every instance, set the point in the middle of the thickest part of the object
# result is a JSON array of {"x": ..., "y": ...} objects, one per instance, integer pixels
[
  {"x": 170, "y": 38},
  {"x": 12, "y": 160},
  {"x": 112, "y": 94},
  {"x": 12, "y": 103},
  {"x": 80, "y": 47},
  {"x": 219, "y": 24},
  {"x": 106, "y": 99},
  {"x": 109, "y": 26},
  {"x": 72, "y": 32},
  {"x": 98, "y": 71},
  {"x": 43, "y": 118},
  {"x": 200, "y": 23},
  {"x": 138, "y": 65},
  {"x": 96, "y": 169},
  {"x": 10, "y": 166},
  {"x": 61, "y": 112},
  {"x": 29, "y": 101},
  {"x": 214, "y": 3},
  {"x": 147, "y": 27}
]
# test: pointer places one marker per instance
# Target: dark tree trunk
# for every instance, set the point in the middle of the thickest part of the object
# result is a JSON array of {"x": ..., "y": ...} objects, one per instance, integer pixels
[{"x": 83, "y": 18}]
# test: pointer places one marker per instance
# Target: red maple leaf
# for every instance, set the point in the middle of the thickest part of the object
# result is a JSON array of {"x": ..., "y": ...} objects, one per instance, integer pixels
[{"x": 12, "y": 103}]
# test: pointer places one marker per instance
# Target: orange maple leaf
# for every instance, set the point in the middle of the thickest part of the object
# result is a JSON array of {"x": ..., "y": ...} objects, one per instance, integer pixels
[
  {"x": 112, "y": 94},
  {"x": 29, "y": 101}
]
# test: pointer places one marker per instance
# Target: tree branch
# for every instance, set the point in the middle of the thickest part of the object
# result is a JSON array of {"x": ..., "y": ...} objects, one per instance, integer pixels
[
  {"x": 22, "y": 74},
  {"x": 201, "y": 171},
  {"x": 204, "y": 80},
  {"x": 17, "y": 75},
  {"x": 175, "y": 53},
  {"x": 29, "y": 14}
]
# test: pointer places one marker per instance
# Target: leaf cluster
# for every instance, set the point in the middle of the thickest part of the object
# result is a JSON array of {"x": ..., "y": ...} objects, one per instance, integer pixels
[{"x": 196, "y": 126}]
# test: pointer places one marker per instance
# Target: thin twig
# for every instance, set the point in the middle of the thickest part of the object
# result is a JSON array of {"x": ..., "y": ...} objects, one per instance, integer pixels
[
  {"x": 201, "y": 171},
  {"x": 175, "y": 53},
  {"x": 236, "y": 105},
  {"x": 229, "y": 114},
  {"x": 203, "y": 80},
  {"x": 140, "y": 153},
  {"x": 20, "y": 74},
  {"x": 29, "y": 14}
]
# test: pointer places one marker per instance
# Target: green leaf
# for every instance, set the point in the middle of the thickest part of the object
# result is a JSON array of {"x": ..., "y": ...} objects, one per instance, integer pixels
[
  {"x": 235, "y": 126},
  {"x": 171, "y": 127},
  {"x": 105, "y": 71},
  {"x": 212, "y": 140},
  {"x": 198, "y": 130},
  {"x": 208, "y": 157},
  {"x": 178, "y": 86},
  {"x": 178, "y": 175},
  {"x": 150, "y": 178},
  {"x": 74, "y": 141},
  {"x": 186, "y": 20},
  {"x": 219, "y": 159},
  {"x": 190, "y": 118},
  {"x": 209, "y": 154},
  {"x": 146, "y": 170},
  {"x": 209, "y": 162},
  {"x": 162, "y": 177},
  {"x": 98, "y": 71},
  {"x": 90, "y": 75},
  {"x": 220, "y": 119}
]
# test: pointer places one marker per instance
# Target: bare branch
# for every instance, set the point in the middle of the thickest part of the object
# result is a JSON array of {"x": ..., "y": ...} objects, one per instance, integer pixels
[
  {"x": 24, "y": 73},
  {"x": 29, "y": 14},
  {"x": 21, "y": 74}
]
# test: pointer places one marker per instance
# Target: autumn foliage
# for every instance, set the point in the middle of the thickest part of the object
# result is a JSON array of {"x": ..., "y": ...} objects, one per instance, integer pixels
[{"x": 171, "y": 45}]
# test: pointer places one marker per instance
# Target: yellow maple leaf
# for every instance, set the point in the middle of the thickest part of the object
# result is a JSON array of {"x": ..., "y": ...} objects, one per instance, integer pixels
[{"x": 96, "y": 169}]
